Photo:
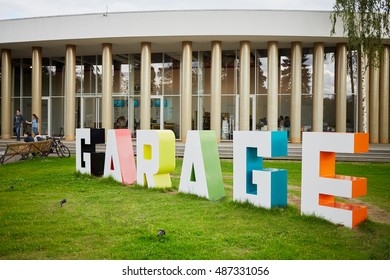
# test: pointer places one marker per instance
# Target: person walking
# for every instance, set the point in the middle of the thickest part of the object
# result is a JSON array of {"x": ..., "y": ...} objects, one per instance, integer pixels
[
  {"x": 18, "y": 122},
  {"x": 34, "y": 124}
]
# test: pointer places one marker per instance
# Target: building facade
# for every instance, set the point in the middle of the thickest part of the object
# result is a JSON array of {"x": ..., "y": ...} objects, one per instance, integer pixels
[{"x": 222, "y": 70}]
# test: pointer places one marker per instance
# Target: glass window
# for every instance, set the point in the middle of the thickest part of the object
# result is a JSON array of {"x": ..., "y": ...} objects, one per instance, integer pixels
[
  {"x": 90, "y": 76},
  {"x": 79, "y": 76},
  {"x": 201, "y": 90},
  {"x": 17, "y": 76},
  {"x": 307, "y": 110},
  {"x": 229, "y": 73},
  {"x": 99, "y": 73},
  {"x": 201, "y": 73},
  {"x": 253, "y": 73},
  {"x": 135, "y": 74},
  {"x": 329, "y": 112},
  {"x": 228, "y": 111},
  {"x": 329, "y": 89},
  {"x": 57, "y": 70},
  {"x": 134, "y": 100},
  {"x": 307, "y": 70},
  {"x": 27, "y": 76},
  {"x": 26, "y": 112},
  {"x": 307, "y": 89},
  {"x": 172, "y": 74},
  {"x": 261, "y": 111},
  {"x": 261, "y": 72},
  {"x": 16, "y": 106},
  {"x": 284, "y": 96},
  {"x": 285, "y": 71},
  {"x": 121, "y": 78},
  {"x": 172, "y": 114},
  {"x": 157, "y": 74},
  {"x": 171, "y": 91},
  {"x": 120, "y": 75},
  {"x": 46, "y": 69},
  {"x": 57, "y": 113},
  {"x": 352, "y": 101}
]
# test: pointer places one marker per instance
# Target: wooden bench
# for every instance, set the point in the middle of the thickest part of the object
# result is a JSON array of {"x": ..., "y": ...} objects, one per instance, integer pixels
[{"x": 24, "y": 150}]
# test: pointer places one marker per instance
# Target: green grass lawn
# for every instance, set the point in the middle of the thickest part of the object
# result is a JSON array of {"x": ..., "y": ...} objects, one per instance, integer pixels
[{"x": 103, "y": 219}]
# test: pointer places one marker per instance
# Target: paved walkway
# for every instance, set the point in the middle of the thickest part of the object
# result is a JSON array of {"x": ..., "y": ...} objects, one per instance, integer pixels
[{"x": 377, "y": 152}]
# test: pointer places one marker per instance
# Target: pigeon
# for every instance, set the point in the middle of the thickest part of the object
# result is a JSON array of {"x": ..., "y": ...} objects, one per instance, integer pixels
[
  {"x": 161, "y": 232},
  {"x": 62, "y": 202},
  {"x": 11, "y": 187}
]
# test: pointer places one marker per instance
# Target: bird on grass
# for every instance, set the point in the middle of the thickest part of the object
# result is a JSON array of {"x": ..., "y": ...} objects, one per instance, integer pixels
[
  {"x": 161, "y": 232},
  {"x": 62, "y": 202}
]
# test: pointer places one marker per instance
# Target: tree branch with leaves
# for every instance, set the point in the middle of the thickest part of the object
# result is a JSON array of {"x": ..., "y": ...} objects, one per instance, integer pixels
[{"x": 366, "y": 24}]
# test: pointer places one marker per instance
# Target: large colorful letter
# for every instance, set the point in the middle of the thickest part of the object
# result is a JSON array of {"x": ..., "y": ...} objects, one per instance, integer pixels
[
  {"x": 120, "y": 162},
  {"x": 87, "y": 160},
  {"x": 201, "y": 172},
  {"x": 264, "y": 187},
  {"x": 155, "y": 157},
  {"x": 320, "y": 183}
]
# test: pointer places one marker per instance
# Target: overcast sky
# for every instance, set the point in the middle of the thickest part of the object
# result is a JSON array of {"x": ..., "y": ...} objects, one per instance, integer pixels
[{"x": 11, "y": 9}]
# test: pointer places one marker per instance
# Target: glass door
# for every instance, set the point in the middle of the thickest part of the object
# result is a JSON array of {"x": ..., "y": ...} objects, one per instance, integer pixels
[
  {"x": 91, "y": 112},
  {"x": 121, "y": 112},
  {"x": 45, "y": 118},
  {"x": 157, "y": 112}
]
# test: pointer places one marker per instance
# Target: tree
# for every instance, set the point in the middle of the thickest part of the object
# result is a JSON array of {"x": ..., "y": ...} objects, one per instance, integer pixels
[{"x": 365, "y": 23}]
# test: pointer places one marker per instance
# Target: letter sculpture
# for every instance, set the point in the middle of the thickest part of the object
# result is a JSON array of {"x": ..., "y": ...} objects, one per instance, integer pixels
[
  {"x": 320, "y": 183},
  {"x": 263, "y": 187},
  {"x": 155, "y": 157},
  {"x": 120, "y": 161},
  {"x": 87, "y": 160},
  {"x": 201, "y": 172}
]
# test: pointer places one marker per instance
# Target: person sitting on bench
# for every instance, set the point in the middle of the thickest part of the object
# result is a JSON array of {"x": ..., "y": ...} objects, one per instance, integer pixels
[
  {"x": 38, "y": 137},
  {"x": 28, "y": 137}
]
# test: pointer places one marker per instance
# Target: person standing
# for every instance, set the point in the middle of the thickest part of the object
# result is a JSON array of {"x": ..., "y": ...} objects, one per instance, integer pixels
[
  {"x": 34, "y": 124},
  {"x": 281, "y": 123},
  {"x": 18, "y": 122}
]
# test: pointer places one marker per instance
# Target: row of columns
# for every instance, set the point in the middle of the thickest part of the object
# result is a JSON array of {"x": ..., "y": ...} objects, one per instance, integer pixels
[{"x": 374, "y": 85}]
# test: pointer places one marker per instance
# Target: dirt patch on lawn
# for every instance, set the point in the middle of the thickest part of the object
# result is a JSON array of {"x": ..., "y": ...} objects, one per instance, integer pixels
[{"x": 375, "y": 213}]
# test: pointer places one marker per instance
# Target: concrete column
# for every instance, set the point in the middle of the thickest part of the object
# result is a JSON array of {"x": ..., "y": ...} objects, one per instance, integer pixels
[
  {"x": 373, "y": 113},
  {"x": 318, "y": 87},
  {"x": 146, "y": 60},
  {"x": 363, "y": 93},
  {"x": 244, "y": 89},
  {"x": 70, "y": 92},
  {"x": 296, "y": 92},
  {"x": 341, "y": 87},
  {"x": 186, "y": 90},
  {"x": 273, "y": 86},
  {"x": 216, "y": 88},
  {"x": 36, "y": 86},
  {"x": 6, "y": 92},
  {"x": 107, "y": 121},
  {"x": 384, "y": 98}
]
